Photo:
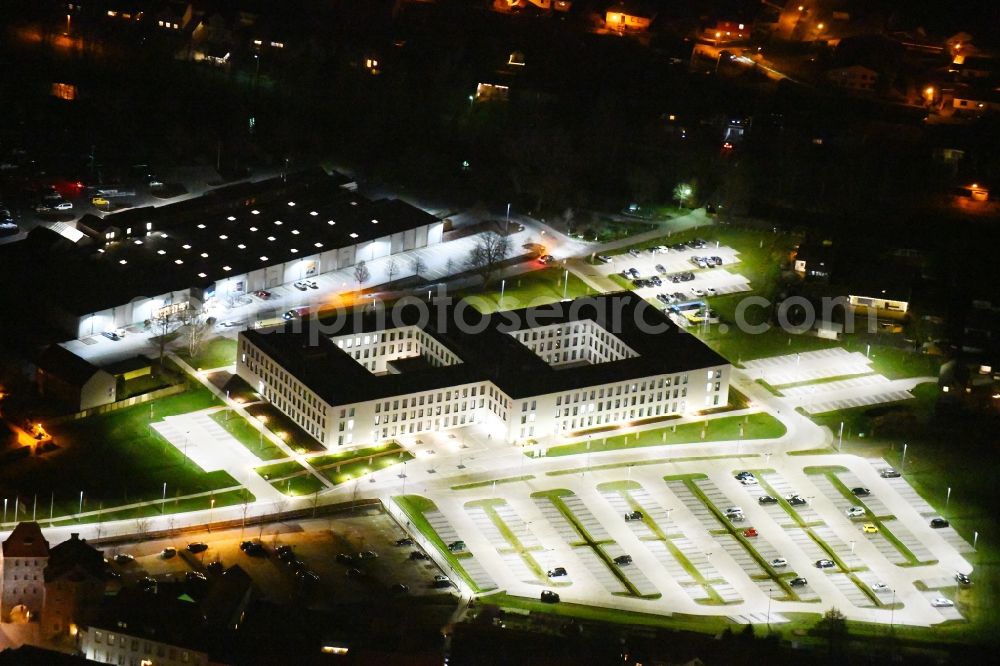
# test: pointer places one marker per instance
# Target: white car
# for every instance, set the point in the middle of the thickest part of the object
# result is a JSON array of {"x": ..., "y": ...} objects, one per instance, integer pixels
[
  {"x": 734, "y": 509},
  {"x": 779, "y": 562},
  {"x": 749, "y": 481},
  {"x": 64, "y": 205},
  {"x": 880, "y": 587},
  {"x": 855, "y": 511},
  {"x": 941, "y": 602}
]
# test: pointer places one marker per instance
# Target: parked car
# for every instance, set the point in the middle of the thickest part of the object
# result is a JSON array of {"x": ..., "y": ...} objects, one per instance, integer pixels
[
  {"x": 869, "y": 528},
  {"x": 798, "y": 582},
  {"x": 880, "y": 587},
  {"x": 301, "y": 286},
  {"x": 941, "y": 602},
  {"x": 622, "y": 560},
  {"x": 825, "y": 564},
  {"x": 417, "y": 555},
  {"x": 168, "y": 552},
  {"x": 197, "y": 547},
  {"x": 146, "y": 584},
  {"x": 441, "y": 580},
  {"x": 355, "y": 573},
  {"x": 557, "y": 572},
  {"x": 766, "y": 499},
  {"x": 889, "y": 473},
  {"x": 861, "y": 492},
  {"x": 253, "y": 548},
  {"x": 938, "y": 523},
  {"x": 750, "y": 532},
  {"x": 195, "y": 577},
  {"x": 308, "y": 577},
  {"x": 549, "y": 597},
  {"x": 456, "y": 546},
  {"x": 111, "y": 335},
  {"x": 779, "y": 562},
  {"x": 405, "y": 541},
  {"x": 367, "y": 555},
  {"x": 605, "y": 259},
  {"x": 795, "y": 500},
  {"x": 546, "y": 259},
  {"x": 963, "y": 579},
  {"x": 744, "y": 475},
  {"x": 633, "y": 515},
  {"x": 735, "y": 517},
  {"x": 749, "y": 481},
  {"x": 855, "y": 511},
  {"x": 344, "y": 558},
  {"x": 124, "y": 558},
  {"x": 262, "y": 295}
]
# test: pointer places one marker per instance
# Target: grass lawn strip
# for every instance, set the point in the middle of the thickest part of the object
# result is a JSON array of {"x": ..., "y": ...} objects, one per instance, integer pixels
[
  {"x": 555, "y": 496},
  {"x": 755, "y": 426},
  {"x": 348, "y": 468},
  {"x": 489, "y": 507},
  {"x": 737, "y": 533},
  {"x": 623, "y": 489},
  {"x": 216, "y": 353},
  {"x": 655, "y": 461},
  {"x": 243, "y": 432},
  {"x": 790, "y": 510},
  {"x": 484, "y": 484},
  {"x": 414, "y": 506},
  {"x": 708, "y": 624},
  {"x": 871, "y": 517},
  {"x": 199, "y": 502}
]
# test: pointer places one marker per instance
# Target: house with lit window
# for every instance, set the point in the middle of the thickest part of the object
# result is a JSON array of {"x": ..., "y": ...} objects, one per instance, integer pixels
[
  {"x": 75, "y": 581},
  {"x": 855, "y": 78},
  {"x": 525, "y": 374},
  {"x": 628, "y": 16}
]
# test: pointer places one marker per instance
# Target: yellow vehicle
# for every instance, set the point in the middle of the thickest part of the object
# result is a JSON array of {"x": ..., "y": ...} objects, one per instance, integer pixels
[
  {"x": 100, "y": 201},
  {"x": 869, "y": 528}
]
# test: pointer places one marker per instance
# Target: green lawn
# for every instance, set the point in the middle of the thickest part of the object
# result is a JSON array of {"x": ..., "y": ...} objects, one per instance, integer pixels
[
  {"x": 355, "y": 469},
  {"x": 216, "y": 353},
  {"x": 114, "y": 459},
  {"x": 280, "y": 470},
  {"x": 299, "y": 485},
  {"x": 247, "y": 435},
  {"x": 285, "y": 428},
  {"x": 352, "y": 454},
  {"x": 529, "y": 289},
  {"x": 755, "y": 426},
  {"x": 182, "y": 505},
  {"x": 414, "y": 507}
]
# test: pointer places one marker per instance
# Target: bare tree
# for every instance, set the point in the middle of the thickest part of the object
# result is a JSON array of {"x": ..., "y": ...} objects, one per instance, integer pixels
[
  {"x": 361, "y": 273},
  {"x": 198, "y": 326},
  {"x": 417, "y": 264},
  {"x": 162, "y": 324},
  {"x": 391, "y": 268},
  {"x": 141, "y": 527},
  {"x": 490, "y": 251}
]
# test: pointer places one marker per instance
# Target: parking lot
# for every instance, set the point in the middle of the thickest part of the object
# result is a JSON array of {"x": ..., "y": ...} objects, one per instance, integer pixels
[
  {"x": 679, "y": 274},
  {"x": 315, "y": 542},
  {"x": 705, "y": 543}
]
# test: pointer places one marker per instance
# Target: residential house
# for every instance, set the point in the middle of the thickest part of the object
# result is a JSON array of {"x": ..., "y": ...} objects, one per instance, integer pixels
[
  {"x": 62, "y": 375},
  {"x": 75, "y": 581},
  {"x": 628, "y": 16},
  {"x": 175, "y": 16},
  {"x": 855, "y": 78},
  {"x": 25, "y": 556},
  {"x": 975, "y": 101}
]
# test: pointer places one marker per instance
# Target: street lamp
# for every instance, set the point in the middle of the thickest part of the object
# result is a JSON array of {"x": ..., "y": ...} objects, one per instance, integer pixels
[
  {"x": 947, "y": 499},
  {"x": 902, "y": 464},
  {"x": 507, "y": 228},
  {"x": 163, "y": 505}
]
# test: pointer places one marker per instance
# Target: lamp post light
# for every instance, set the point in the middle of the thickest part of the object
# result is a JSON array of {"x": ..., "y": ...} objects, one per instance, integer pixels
[
  {"x": 840, "y": 438},
  {"x": 81, "y": 502},
  {"x": 503, "y": 285},
  {"x": 902, "y": 464},
  {"x": 975, "y": 537},
  {"x": 5, "y": 510},
  {"x": 507, "y": 228},
  {"x": 947, "y": 499},
  {"x": 163, "y": 504},
  {"x": 769, "y": 591}
]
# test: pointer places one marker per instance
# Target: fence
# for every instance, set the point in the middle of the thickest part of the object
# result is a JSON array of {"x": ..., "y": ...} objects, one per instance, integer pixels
[{"x": 121, "y": 404}]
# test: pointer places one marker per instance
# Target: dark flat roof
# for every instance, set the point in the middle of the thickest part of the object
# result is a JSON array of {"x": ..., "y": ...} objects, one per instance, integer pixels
[
  {"x": 488, "y": 355},
  {"x": 193, "y": 241}
]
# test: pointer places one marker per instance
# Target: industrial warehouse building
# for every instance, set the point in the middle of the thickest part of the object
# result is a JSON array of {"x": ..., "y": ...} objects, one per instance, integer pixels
[
  {"x": 127, "y": 268},
  {"x": 527, "y": 374}
]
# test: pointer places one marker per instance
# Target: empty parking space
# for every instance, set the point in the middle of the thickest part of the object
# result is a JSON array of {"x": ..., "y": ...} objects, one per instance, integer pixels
[
  {"x": 870, "y": 397},
  {"x": 850, "y": 589},
  {"x": 807, "y": 366}
]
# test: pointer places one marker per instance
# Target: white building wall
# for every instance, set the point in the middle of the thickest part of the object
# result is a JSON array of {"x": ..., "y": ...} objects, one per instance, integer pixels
[
  {"x": 114, "y": 647},
  {"x": 23, "y": 584}
]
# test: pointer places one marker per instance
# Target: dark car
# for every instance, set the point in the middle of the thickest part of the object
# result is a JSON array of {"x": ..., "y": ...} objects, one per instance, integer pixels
[
  {"x": 197, "y": 547},
  {"x": 111, "y": 335},
  {"x": 889, "y": 473},
  {"x": 253, "y": 548},
  {"x": 557, "y": 572},
  {"x": 195, "y": 577},
  {"x": 861, "y": 492},
  {"x": 124, "y": 558},
  {"x": 168, "y": 552},
  {"x": 215, "y": 568},
  {"x": 367, "y": 555},
  {"x": 798, "y": 582},
  {"x": 417, "y": 555},
  {"x": 825, "y": 564},
  {"x": 766, "y": 499},
  {"x": 963, "y": 579},
  {"x": 345, "y": 558},
  {"x": 405, "y": 541},
  {"x": 795, "y": 500},
  {"x": 456, "y": 546},
  {"x": 549, "y": 597},
  {"x": 622, "y": 560},
  {"x": 355, "y": 573},
  {"x": 938, "y": 523},
  {"x": 146, "y": 584},
  {"x": 633, "y": 515},
  {"x": 307, "y": 576}
]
